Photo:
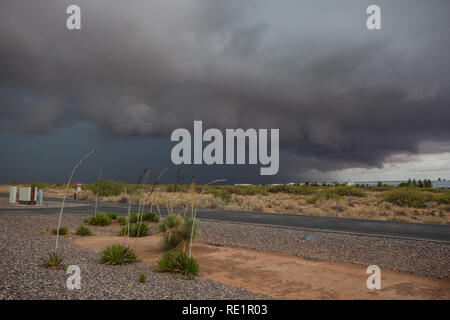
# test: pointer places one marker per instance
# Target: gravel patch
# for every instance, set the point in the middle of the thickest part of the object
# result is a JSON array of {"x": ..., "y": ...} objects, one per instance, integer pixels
[
  {"x": 412, "y": 256},
  {"x": 24, "y": 241}
]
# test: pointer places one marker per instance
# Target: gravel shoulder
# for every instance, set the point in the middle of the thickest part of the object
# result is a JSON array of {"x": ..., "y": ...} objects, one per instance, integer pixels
[
  {"x": 23, "y": 241},
  {"x": 420, "y": 257}
]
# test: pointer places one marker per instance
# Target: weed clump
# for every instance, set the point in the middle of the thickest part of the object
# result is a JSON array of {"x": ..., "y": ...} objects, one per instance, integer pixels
[
  {"x": 443, "y": 198},
  {"x": 407, "y": 197},
  {"x": 116, "y": 254},
  {"x": 347, "y": 191},
  {"x": 112, "y": 215},
  {"x": 53, "y": 261},
  {"x": 178, "y": 262},
  {"x": 83, "y": 231},
  {"x": 136, "y": 230},
  {"x": 101, "y": 219},
  {"x": 63, "y": 231},
  {"x": 107, "y": 188},
  {"x": 142, "y": 278},
  {"x": 150, "y": 217},
  {"x": 122, "y": 221}
]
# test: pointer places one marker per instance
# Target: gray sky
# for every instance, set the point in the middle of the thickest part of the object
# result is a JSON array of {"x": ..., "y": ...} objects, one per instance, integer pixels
[{"x": 349, "y": 102}]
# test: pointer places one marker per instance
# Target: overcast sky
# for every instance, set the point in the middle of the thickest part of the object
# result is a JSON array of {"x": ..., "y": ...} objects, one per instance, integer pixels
[{"x": 350, "y": 103}]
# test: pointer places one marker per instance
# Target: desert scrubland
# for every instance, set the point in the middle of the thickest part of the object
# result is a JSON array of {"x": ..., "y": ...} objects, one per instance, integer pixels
[{"x": 404, "y": 204}]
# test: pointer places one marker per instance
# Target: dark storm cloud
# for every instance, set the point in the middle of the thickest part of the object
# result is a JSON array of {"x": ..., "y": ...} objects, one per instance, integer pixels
[{"x": 342, "y": 96}]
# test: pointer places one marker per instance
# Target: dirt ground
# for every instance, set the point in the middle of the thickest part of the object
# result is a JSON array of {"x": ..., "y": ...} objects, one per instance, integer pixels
[{"x": 286, "y": 276}]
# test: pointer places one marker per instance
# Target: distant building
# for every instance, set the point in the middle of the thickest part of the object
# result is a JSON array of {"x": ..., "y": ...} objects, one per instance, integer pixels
[{"x": 441, "y": 184}]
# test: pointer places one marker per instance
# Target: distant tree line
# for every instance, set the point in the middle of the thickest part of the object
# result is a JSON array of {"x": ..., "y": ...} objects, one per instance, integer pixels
[{"x": 426, "y": 183}]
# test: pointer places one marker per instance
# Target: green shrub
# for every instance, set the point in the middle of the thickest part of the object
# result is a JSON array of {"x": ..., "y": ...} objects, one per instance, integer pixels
[
  {"x": 112, "y": 215},
  {"x": 443, "y": 198},
  {"x": 336, "y": 193},
  {"x": 107, "y": 188},
  {"x": 346, "y": 191},
  {"x": 178, "y": 262},
  {"x": 323, "y": 195},
  {"x": 170, "y": 222},
  {"x": 303, "y": 190},
  {"x": 407, "y": 197},
  {"x": 224, "y": 196},
  {"x": 177, "y": 232},
  {"x": 142, "y": 278},
  {"x": 282, "y": 188},
  {"x": 63, "y": 231},
  {"x": 101, "y": 219},
  {"x": 122, "y": 221},
  {"x": 83, "y": 231},
  {"x": 150, "y": 217},
  {"x": 116, "y": 254},
  {"x": 136, "y": 230},
  {"x": 133, "y": 217}
]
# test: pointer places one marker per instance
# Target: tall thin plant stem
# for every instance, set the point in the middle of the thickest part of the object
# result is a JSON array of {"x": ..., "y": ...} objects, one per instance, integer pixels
[
  {"x": 140, "y": 215},
  {"x": 67, "y": 190},
  {"x": 142, "y": 192},
  {"x": 98, "y": 187},
  {"x": 129, "y": 206},
  {"x": 142, "y": 196},
  {"x": 195, "y": 212},
  {"x": 153, "y": 188}
]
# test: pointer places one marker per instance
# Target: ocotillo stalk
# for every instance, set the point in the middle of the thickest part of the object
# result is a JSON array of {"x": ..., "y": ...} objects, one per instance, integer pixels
[
  {"x": 127, "y": 225},
  {"x": 195, "y": 212},
  {"x": 186, "y": 204},
  {"x": 67, "y": 190},
  {"x": 142, "y": 196},
  {"x": 98, "y": 187},
  {"x": 153, "y": 188},
  {"x": 142, "y": 192},
  {"x": 140, "y": 216},
  {"x": 129, "y": 206}
]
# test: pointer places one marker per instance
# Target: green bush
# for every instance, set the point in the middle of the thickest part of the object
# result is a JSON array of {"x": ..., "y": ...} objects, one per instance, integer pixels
[
  {"x": 83, "y": 231},
  {"x": 407, "y": 197},
  {"x": 443, "y": 198},
  {"x": 107, "y": 188},
  {"x": 63, "y": 231},
  {"x": 178, "y": 262},
  {"x": 122, "y": 221},
  {"x": 282, "y": 188},
  {"x": 101, "y": 219},
  {"x": 170, "y": 222},
  {"x": 224, "y": 196},
  {"x": 116, "y": 254},
  {"x": 303, "y": 190},
  {"x": 323, "y": 195},
  {"x": 150, "y": 217},
  {"x": 112, "y": 215},
  {"x": 177, "y": 232},
  {"x": 336, "y": 193},
  {"x": 133, "y": 217},
  {"x": 347, "y": 191},
  {"x": 136, "y": 230}
]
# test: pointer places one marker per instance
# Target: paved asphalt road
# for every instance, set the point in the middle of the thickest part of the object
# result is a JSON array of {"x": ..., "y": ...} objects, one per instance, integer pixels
[{"x": 369, "y": 227}]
